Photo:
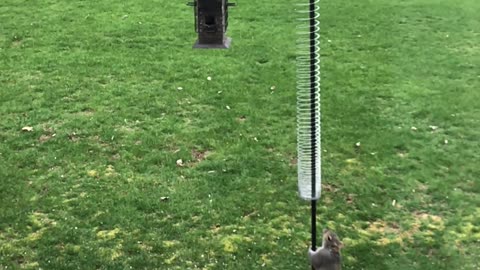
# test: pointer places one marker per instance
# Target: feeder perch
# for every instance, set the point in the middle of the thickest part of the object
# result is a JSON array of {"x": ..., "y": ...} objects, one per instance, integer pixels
[{"x": 211, "y": 22}]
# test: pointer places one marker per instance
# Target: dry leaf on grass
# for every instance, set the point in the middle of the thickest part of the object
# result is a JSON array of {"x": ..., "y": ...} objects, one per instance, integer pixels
[
  {"x": 45, "y": 138},
  {"x": 200, "y": 155},
  {"x": 92, "y": 173},
  {"x": 180, "y": 163},
  {"x": 329, "y": 188}
]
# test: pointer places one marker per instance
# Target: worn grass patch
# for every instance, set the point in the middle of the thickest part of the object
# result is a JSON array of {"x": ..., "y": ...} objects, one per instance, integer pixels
[{"x": 110, "y": 96}]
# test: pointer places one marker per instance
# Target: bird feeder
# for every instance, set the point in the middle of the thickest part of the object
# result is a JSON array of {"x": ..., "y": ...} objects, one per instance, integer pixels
[{"x": 211, "y": 22}]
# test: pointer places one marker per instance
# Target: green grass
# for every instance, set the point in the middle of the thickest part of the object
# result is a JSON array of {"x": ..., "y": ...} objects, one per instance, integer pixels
[{"x": 97, "y": 81}]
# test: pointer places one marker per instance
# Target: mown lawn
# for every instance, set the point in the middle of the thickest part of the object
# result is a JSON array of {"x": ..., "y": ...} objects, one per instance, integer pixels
[{"x": 95, "y": 184}]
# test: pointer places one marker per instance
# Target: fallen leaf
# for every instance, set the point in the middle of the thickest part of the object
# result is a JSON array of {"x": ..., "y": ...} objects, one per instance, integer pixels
[
  {"x": 209, "y": 78},
  {"x": 413, "y": 128},
  {"x": 329, "y": 188},
  {"x": 272, "y": 88},
  {"x": 446, "y": 141},
  {"x": 45, "y": 138},
  {"x": 179, "y": 88},
  {"x": 250, "y": 214},
  {"x": 357, "y": 144},
  {"x": 351, "y": 161},
  {"x": 28, "y": 129},
  {"x": 433, "y": 128},
  {"x": 199, "y": 155},
  {"x": 180, "y": 163},
  {"x": 228, "y": 107},
  {"x": 92, "y": 173}
]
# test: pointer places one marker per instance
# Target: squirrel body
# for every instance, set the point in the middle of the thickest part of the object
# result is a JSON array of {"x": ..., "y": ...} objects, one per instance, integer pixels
[{"x": 327, "y": 257}]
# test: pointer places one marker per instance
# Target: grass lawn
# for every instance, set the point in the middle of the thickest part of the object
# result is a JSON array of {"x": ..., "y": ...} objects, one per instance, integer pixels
[{"x": 95, "y": 184}]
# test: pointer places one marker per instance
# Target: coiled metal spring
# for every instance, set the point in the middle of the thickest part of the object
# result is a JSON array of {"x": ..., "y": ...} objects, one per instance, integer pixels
[{"x": 308, "y": 100}]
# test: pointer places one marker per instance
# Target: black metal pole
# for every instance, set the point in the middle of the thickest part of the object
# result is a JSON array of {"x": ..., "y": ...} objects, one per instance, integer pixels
[
  {"x": 314, "y": 225},
  {"x": 313, "y": 121}
]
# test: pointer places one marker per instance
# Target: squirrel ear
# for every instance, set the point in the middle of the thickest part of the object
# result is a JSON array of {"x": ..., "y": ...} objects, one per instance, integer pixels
[{"x": 329, "y": 238}]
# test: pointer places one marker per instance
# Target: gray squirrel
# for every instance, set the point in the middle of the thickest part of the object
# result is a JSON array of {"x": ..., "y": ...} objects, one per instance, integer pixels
[{"x": 327, "y": 257}]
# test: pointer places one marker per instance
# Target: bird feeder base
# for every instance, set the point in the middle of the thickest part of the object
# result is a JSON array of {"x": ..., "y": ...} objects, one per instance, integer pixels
[{"x": 225, "y": 45}]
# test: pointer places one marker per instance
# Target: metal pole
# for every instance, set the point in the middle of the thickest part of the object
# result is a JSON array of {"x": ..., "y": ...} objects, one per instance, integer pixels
[{"x": 313, "y": 121}]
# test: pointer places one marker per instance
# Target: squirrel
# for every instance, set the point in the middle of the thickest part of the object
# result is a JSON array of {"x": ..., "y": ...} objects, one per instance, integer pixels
[{"x": 327, "y": 257}]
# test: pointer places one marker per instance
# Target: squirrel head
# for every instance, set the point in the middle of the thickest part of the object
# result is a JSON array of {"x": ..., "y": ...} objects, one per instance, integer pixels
[{"x": 331, "y": 241}]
